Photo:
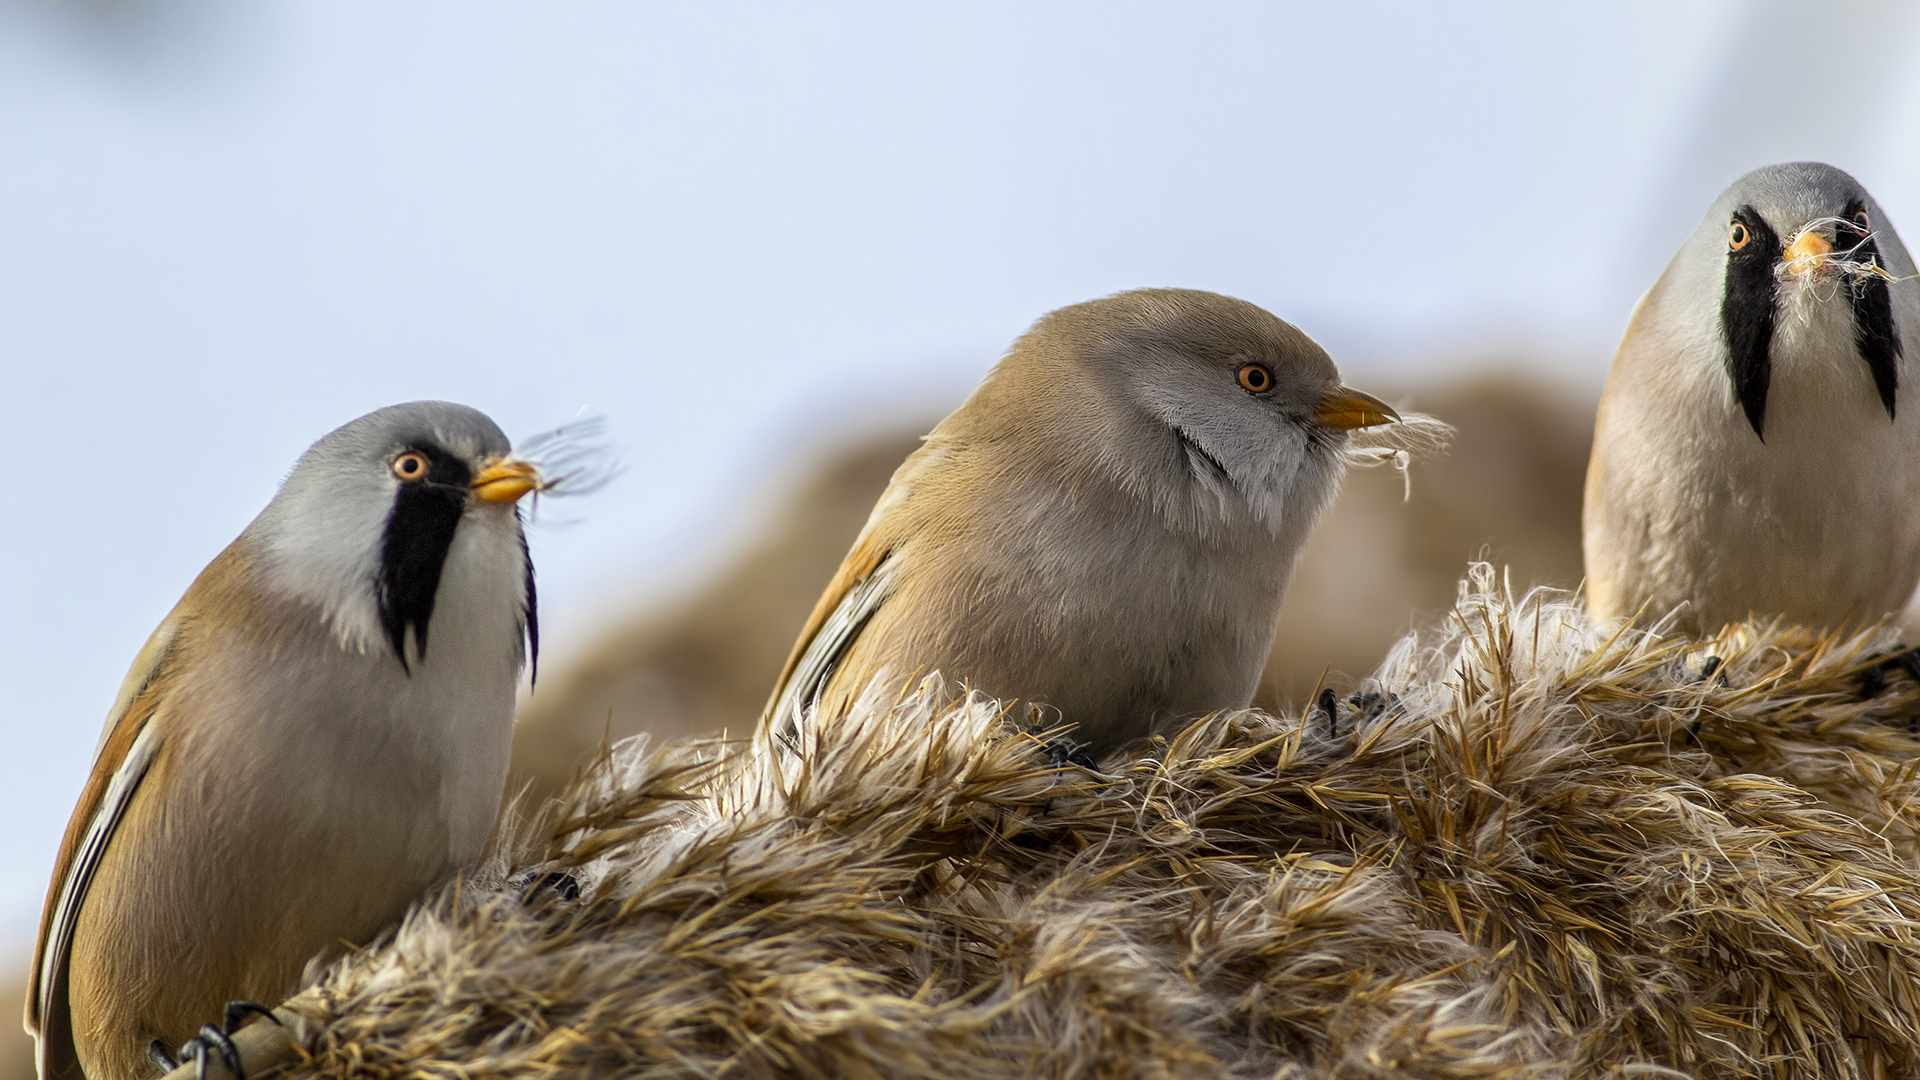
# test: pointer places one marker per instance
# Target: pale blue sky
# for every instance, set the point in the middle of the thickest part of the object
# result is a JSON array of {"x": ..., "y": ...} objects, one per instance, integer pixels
[{"x": 741, "y": 231}]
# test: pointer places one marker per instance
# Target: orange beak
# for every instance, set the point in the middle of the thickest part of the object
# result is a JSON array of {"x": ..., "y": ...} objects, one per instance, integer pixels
[
  {"x": 1349, "y": 408},
  {"x": 1807, "y": 252},
  {"x": 504, "y": 480}
]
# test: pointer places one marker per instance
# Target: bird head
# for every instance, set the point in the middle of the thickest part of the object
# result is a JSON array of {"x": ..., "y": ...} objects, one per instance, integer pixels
[
  {"x": 1805, "y": 258},
  {"x": 390, "y": 514},
  {"x": 1208, "y": 407}
]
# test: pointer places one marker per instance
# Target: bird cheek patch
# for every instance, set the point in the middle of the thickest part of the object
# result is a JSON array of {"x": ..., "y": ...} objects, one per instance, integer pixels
[
  {"x": 1747, "y": 316},
  {"x": 419, "y": 533},
  {"x": 1876, "y": 337}
]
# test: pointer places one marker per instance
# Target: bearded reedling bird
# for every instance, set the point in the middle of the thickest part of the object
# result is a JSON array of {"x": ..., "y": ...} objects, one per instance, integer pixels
[
  {"x": 1106, "y": 527},
  {"x": 288, "y": 766},
  {"x": 1757, "y": 448}
]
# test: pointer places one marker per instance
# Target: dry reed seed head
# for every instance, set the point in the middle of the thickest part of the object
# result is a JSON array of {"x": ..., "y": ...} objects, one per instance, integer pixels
[{"x": 1559, "y": 850}]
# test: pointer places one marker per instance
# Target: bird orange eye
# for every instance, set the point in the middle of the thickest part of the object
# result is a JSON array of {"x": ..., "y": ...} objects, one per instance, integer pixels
[
  {"x": 1256, "y": 378},
  {"x": 1737, "y": 236},
  {"x": 411, "y": 465},
  {"x": 1860, "y": 221}
]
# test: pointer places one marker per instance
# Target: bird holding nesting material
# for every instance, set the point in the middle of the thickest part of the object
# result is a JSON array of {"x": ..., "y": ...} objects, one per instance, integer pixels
[
  {"x": 1105, "y": 528},
  {"x": 288, "y": 766},
  {"x": 1757, "y": 450}
]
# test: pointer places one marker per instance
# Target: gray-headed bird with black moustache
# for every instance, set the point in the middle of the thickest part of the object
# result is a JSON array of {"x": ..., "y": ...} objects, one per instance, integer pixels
[
  {"x": 315, "y": 736},
  {"x": 1757, "y": 449}
]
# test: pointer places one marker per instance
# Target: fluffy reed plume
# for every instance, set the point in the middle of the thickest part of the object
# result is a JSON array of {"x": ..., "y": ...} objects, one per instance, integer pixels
[{"x": 1536, "y": 848}]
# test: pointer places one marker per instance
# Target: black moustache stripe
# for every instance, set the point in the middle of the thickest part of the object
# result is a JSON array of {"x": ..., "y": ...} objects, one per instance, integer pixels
[
  {"x": 1194, "y": 450},
  {"x": 419, "y": 533},
  {"x": 531, "y": 614},
  {"x": 1873, "y": 331},
  {"x": 1746, "y": 316}
]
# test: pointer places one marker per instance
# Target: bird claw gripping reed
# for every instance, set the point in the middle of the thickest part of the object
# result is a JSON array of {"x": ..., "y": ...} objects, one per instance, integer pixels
[{"x": 1556, "y": 851}]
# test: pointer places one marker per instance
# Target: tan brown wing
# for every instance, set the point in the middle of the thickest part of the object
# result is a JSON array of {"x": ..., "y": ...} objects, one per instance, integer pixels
[
  {"x": 857, "y": 590},
  {"x": 127, "y": 750}
]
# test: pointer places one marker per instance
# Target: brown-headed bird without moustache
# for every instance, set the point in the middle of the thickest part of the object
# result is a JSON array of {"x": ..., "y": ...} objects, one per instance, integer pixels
[
  {"x": 1757, "y": 449},
  {"x": 289, "y": 765},
  {"x": 1105, "y": 528}
]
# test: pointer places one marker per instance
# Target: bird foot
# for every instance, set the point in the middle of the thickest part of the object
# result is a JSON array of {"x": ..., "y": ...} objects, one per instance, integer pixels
[
  {"x": 1328, "y": 706},
  {"x": 563, "y": 885},
  {"x": 1063, "y": 752},
  {"x": 1682, "y": 669},
  {"x": 211, "y": 1040},
  {"x": 1365, "y": 705},
  {"x": 1873, "y": 681},
  {"x": 1369, "y": 704}
]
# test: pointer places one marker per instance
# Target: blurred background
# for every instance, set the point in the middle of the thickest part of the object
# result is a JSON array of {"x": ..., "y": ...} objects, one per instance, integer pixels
[{"x": 772, "y": 245}]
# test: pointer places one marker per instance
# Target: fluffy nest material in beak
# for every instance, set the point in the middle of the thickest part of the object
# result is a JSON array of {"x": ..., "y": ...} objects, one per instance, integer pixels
[
  {"x": 1411, "y": 435},
  {"x": 1809, "y": 254}
]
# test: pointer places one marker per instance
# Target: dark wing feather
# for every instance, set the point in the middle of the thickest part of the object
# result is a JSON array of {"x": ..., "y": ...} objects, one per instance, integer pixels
[
  {"x": 857, "y": 590},
  {"x": 125, "y": 755}
]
